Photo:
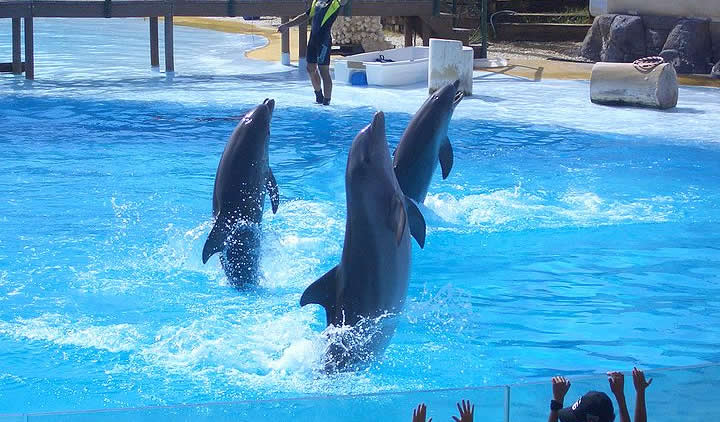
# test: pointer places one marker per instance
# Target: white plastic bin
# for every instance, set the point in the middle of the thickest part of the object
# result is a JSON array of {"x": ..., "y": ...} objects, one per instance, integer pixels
[{"x": 409, "y": 65}]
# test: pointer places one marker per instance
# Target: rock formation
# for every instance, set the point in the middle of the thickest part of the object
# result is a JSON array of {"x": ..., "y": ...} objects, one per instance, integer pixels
[{"x": 692, "y": 45}]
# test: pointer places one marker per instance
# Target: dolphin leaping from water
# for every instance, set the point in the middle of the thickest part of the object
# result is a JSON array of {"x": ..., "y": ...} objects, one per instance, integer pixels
[
  {"x": 370, "y": 284},
  {"x": 425, "y": 143},
  {"x": 243, "y": 176}
]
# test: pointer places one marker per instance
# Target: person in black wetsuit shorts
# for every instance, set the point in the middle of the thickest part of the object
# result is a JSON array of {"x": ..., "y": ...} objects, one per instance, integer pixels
[{"x": 322, "y": 14}]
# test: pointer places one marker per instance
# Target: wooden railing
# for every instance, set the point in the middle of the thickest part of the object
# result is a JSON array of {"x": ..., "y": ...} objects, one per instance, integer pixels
[{"x": 27, "y": 10}]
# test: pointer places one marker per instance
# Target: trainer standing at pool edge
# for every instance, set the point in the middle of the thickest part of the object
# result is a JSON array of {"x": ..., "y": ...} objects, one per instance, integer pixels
[{"x": 323, "y": 14}]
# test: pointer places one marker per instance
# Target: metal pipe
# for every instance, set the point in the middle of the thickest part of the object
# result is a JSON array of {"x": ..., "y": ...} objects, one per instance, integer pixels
[
  {"x": 454, "y": 13},
  {"x": 484, "y": 29}
]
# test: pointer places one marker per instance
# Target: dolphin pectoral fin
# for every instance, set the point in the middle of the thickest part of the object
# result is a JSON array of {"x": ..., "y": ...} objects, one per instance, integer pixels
[
  {"x": 214, "y": 242},
  {"x": 272, "y": 188},
  {"x": 446, "y": 158},
  {"x": 397, "y": 217},
  {"x": 416, "y": 221},
  {"x": 322, "y": 292}
]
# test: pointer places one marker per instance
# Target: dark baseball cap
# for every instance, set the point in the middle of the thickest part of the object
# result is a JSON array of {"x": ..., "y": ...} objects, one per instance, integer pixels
[{"x": 595, "y": 404}]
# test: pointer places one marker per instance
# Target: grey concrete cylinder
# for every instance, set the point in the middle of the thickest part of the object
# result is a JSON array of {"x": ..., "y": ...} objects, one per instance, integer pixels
[{"x": 624, "y": 84}]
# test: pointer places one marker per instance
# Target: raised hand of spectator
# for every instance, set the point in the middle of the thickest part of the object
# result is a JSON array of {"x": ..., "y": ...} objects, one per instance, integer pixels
[
  {"x": 617, "y": 386},
  {"x": 560, "y": 387},
  {"x": 639, "y": 380},
  {"x": 420, "y": 413},
  {"x": 617, "y": 383},
  {"x": 466, "y": 412}
]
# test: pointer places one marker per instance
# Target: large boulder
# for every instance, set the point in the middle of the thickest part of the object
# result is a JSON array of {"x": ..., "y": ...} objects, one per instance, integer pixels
[
  {"x": 691, "y": 40},
  {"x": 597, "y": 37},
  {"x": 715, "y": 40},
  {"x": 692, "y": 45},
  {"x": 657, "y": 29},
  {"x": 626, "y": 41},
  {"x": 592, "y": 44}
]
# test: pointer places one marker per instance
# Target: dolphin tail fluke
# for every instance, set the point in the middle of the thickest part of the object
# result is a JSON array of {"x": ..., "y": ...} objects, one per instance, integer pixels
[
  {"x": 416, "y": 221},
  {"x": 272, "y": 188},
  {"x": 322, "y": 292},
  {"x": 446, "y": 158},
  {"x": 214, "y": 242}
]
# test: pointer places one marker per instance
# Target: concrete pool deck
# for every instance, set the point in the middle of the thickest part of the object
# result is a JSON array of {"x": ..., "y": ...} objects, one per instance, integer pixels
[{"x": 531, "y": 68}]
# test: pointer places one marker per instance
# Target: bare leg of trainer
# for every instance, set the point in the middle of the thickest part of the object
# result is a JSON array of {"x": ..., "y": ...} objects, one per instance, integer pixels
[
  {"x": 326, "y": 82},
  {"x": 312, "y": 69}
]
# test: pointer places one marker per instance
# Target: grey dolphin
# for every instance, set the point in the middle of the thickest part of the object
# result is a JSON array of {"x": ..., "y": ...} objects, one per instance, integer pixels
[
  {"x": 243, "y": 176},
  {"x": 372, "y": 278},
  {"x": 425, "y": 142}
]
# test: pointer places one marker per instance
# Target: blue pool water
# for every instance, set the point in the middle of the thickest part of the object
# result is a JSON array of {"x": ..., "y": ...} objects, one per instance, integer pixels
[{"x": 553, "y": 247}]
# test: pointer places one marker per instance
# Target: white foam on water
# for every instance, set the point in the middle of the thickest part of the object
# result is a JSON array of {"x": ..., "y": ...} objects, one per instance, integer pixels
[
  {"x": 518, "y": 209},
  {"x": 298, "y": 242},
  {"x": 61, "y": 330}
]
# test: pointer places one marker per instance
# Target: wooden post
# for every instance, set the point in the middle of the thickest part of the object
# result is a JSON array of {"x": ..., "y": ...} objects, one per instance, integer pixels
[
  {"x": 16, "y": 47},
  {"x": 29, "y": 50},
  {"x": 426, "y": 32},
  {"x": 154, "y": 43},
  {"x": 302, "y": 45},
  {"x": 169, "y": 45},
  {"x": 409, "y": 38},
  {"x": 285, "y": 43}
]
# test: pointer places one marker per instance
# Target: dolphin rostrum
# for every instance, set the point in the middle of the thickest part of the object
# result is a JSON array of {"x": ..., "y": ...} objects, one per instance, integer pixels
[
  {"x": 243, "y": 176},
  {"x": 368, "y": 288},
  {"x": 425, "y": 142}
]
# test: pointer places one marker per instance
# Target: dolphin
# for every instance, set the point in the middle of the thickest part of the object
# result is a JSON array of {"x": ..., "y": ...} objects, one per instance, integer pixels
[
  {"x": 425, "y": 142},
  {"x": 243, "y": 176},
  {"x": 368, "y": 288}
]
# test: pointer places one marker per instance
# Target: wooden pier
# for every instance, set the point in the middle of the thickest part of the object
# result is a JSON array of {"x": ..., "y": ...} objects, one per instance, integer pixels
[{"x": 26, "y": 10}]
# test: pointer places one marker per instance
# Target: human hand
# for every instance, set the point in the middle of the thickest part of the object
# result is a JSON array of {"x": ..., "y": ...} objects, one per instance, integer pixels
[
  {"x": 282, "y": 28},
  {"x": 419, "y": 414},
  {"x": 560, "y": 387},
  {"x": 466, "y": 412},
  {"x": 617, "y": 383},
  {"x": 639, "y": 380}
]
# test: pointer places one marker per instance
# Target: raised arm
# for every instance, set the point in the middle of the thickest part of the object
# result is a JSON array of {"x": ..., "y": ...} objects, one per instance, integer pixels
[
  {"x": 640, "y": 386},
  {"x": 419, "y": 414},
  {"x": 617, "y": 386},
  {"x": 300, "y": 19},
  {"x": 560, "y": 387}
]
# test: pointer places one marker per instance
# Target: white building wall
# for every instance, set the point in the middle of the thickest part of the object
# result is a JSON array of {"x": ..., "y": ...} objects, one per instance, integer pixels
[{"x": 682, "y": 8}]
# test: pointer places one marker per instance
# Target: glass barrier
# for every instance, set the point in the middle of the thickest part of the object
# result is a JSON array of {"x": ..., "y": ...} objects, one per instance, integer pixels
[{"x": 676, "y": 394}]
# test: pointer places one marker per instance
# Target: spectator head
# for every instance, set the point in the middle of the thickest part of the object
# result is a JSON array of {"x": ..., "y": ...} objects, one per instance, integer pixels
[{"x": 594, "y": 406}]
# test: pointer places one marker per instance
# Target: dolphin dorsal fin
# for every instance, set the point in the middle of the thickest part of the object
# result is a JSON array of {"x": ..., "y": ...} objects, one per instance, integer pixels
[
  {"x": 272, "y": 189},
  {"x": 322, "y": 292},
  {"x": 215, "y": 240},
  {"x": 446, "y": 158},
  {"x": 416, "y": 221}
]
